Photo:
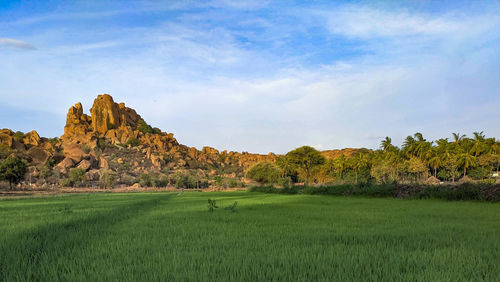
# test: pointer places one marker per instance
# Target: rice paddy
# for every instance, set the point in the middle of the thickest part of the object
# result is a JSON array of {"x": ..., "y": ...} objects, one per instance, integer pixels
[{"x": 165, "y": 236}]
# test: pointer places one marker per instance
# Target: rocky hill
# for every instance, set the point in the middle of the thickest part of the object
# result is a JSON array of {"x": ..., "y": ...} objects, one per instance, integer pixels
[{"x": 115, "y": 138}]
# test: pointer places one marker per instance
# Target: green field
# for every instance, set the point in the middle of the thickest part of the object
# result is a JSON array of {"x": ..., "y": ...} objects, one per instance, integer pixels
[{"x": 163, "y": 236}]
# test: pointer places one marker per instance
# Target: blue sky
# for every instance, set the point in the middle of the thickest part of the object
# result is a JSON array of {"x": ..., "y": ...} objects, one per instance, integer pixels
[{"x": 257, "y": 76}]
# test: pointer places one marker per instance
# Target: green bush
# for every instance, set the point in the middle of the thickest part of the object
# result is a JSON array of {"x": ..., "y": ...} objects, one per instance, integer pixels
[
  {"x": 145, "y": 180},
  {"x": 107, "y": 178},
  {"x": 77, "y": 175},
  {"x": 264, "y": 173},
  {"x": 85, "y": 148},
  {"x": 143, "y": 127},
  {"x": 18, "y": 136},
  {"x": 133, "y": 142},
  {"x": 66, "y": 182}
]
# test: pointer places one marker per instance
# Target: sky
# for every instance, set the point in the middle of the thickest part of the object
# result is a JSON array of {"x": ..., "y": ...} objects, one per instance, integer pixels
[{"x": 257, "y": 76}]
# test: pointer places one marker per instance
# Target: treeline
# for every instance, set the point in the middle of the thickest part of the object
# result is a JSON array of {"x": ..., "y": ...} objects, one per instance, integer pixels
[{"x": 417, "y": 161}]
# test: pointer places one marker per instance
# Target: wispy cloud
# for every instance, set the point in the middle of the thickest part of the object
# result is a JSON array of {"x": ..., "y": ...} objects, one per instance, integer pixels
[
  {"x": 365, "y": 23},
  {"x": 16, "y": 44},
  {"x": 227, "y": 75}
]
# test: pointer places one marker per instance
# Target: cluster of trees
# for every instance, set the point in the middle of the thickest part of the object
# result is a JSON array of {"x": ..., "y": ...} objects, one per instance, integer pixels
[{"x": 417, "y": 159}]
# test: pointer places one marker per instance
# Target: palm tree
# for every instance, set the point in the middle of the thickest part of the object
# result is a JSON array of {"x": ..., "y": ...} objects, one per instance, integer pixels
[
  {"x": 435, "y": 163},
  {"x": 340, "y": 164},
  {"x": 458, "y": 137},
  {"x": 359, "y": 162},
  {"x": 386, "y": 144},
  {"x": 409, "y": 145},
  {"x": 478, "y": 146},
  {"x": 419, "y": 137},
  {"x": 466, "y": 160}
]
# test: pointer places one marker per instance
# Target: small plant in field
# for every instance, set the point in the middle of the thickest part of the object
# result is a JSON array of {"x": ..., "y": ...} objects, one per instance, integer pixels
[
  {"x": 212, "y": 205},
  {"x": 232, "y": 207},
  {"x": 66, "y": 209}
]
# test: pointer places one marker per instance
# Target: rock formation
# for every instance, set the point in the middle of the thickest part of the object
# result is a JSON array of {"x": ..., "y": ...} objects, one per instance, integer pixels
[{"x": 115, "y": 137}]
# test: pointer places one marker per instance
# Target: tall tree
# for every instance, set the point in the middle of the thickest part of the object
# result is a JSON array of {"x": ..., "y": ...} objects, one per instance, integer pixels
[
  {"x": 386, "y": 144},
  {"x": 478, "y": 146},
  {"x": 360, "y": 162},
  {"x": 12, "y": 170},
  {"x": 466, "y": 160},
  {"x": 435, "y": 162},
  {"x": 457, "y": 137},
  {"x": 305, "y": 159},
  {"x": 340, "y": 165}
]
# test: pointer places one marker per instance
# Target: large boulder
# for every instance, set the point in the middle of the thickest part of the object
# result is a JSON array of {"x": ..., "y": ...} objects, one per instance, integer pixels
[
  {"x": 104, "y": 114},
  {"x": 103, "y": 163},
  {"x": 85, "y": 165},
  {"x": 73, "y": 151},
  {"x": 38, "y": 155},
  {"x": 31, "y": 138},
  {"x": 77, "y": 123},
  {"x": 157, "y": 161},
  {"x": 64, "y": 165}
]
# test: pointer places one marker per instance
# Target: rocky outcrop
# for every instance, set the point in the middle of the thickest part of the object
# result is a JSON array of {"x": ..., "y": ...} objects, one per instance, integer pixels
[
  {"x": 77, "y": 123},
  {"x": 99, "y": 140},
  {"x": 31, "y": 138},
  {"x": 6, "y": 137}
]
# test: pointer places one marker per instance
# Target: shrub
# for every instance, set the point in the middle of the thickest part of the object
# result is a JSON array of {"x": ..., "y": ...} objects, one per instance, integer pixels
[
  {"x": 4, "y": 150},
  {"x": 107, "y": 178},
  {"x": 66, "y": 182},
  {"x": 233, "y": 183},
  {"x": 146, "y": 180},
  {"x": 77, "y": 175},
  {"x": 45, "y": 170},
  {"x": 143, "y": 127},
  {"x": 264, "y": 173},
  {"x": 133, "y": 142},
  {"x": 85, "y": 148},
  {"x": 212, "y": 205},
  {"x": 18, "y": 136}
]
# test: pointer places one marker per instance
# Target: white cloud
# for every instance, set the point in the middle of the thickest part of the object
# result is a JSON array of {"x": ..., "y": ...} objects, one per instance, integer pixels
[{"x": 16, "y": 44}]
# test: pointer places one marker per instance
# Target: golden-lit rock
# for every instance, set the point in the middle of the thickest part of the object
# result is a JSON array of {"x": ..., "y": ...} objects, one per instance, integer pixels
[
  {"x": 84, "y": 164},
  {"x": 64, "y": 165},
  {"x": 103, "y": 163},
  {"x": 104, "y": 114},
  {"x": 31, "y": 138},
  {"x": 77, "y": 123},
  {"x": 73, "y": 151},
  {"x": 6, "y": 137}
]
